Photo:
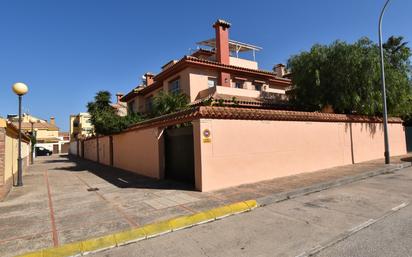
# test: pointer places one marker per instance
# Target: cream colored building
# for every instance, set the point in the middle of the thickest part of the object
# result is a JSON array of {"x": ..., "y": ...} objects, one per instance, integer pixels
[
  {"x": 46, "y": 132},
  {"x": 9, "y": 153},
  {"x": 80, "y": 126}
]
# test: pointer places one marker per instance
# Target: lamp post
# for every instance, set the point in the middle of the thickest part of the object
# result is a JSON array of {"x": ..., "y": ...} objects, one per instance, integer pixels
[
  {"x": 20, "y": 89},
  {"x": 385, "y": 111}
]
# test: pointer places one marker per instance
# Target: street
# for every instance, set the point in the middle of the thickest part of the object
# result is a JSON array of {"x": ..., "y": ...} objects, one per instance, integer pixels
[{"x": 371, "y": 217}]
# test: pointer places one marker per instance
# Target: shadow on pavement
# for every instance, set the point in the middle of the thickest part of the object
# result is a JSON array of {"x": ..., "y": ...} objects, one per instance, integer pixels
[
  {"x": 118, "y": 177},
  {"x": 407, "y": 159}
]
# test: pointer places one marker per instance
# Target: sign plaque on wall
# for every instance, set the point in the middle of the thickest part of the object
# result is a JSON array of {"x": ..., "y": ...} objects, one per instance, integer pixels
[{"x": 206, "y": 136}]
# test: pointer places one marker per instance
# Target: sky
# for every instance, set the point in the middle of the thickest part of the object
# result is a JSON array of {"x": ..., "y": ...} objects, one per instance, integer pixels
[{"x": 66, "y": 51}]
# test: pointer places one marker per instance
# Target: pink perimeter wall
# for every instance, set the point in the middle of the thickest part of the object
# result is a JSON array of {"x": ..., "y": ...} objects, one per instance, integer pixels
[
  {"x": 90, "y": 149},
  {"x": 104, "y": 150},
  {"x": 247, "y": 151},
  {"x": 139, "y": 151}
]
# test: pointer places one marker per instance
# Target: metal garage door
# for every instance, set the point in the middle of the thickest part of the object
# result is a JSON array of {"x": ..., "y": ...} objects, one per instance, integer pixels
[{"x": 179, "y": 154}]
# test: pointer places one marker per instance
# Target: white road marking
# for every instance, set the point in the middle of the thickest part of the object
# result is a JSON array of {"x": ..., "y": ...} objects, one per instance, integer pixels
[
  {"x": 400, "y": 206},
  {"x": 122, "y": 180},
  {"x": 350, "y": 232}
]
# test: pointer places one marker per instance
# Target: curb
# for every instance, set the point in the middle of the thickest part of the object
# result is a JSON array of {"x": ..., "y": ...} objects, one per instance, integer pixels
[
  {"x": 275, "y": 198},
  {"x": 148, "y": 231}
]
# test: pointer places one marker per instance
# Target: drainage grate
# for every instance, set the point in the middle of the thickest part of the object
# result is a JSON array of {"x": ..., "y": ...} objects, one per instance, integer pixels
[{"x": 92, "y": 189}]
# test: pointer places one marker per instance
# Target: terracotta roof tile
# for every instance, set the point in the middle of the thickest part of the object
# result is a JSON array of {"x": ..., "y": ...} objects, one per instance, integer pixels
[
  {"x": 36, "y": 125},
  {"x": 195, "y": 59},
  {"x": 214, "y": 112}
]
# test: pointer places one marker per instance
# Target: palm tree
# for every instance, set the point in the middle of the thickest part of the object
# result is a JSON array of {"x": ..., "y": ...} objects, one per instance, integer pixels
[{"x": 165, "y": 103}]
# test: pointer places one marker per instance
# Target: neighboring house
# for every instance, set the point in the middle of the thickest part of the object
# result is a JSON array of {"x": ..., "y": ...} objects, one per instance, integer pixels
[
  {"x": 119, "y": 106},
  {"x": 46, "y": 133},
  {"x": 25, "y": 117},
  {"x": 215, "y": 71},
  {"x": 64, "y": 142},
  {"x": 9, "y": 138},
  {"x": 80, "y": 126}
]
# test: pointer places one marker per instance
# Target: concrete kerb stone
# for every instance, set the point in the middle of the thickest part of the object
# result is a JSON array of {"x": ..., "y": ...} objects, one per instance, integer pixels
[
  {"x": 145, "y": 232},
  {"x": 265, "y": 200}
]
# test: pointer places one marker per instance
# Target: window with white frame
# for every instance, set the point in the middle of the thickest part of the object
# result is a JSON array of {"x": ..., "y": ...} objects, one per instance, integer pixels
[
  {"x": 211, "y": 82},
  {"x": 258, "y": 86},
  {"x": 174, "y": 86},
  {"x": 238, "y": 84}
]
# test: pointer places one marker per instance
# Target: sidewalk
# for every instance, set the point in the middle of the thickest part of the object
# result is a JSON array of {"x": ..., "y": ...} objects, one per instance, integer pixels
[{"x": 67, "y": 200}]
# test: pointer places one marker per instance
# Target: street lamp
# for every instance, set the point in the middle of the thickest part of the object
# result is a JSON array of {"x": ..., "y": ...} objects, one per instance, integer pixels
[
  {"x": 385, "y": 111},
  {"x": 20, "y": 89}
]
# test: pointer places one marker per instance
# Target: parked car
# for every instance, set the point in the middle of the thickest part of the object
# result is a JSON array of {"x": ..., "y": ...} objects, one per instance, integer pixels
[{"x": 41, "y": 151}]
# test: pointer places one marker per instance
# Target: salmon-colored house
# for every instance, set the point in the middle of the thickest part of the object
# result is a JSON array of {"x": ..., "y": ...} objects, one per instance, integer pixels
[
  {"x": 240, "y": 141},
  {"x": 216, "y": 69}
]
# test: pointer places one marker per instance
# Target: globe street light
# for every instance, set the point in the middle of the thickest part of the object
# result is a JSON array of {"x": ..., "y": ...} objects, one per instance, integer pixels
[
  {"x": 385, "y": 110},
  {"x": 20, "y": 89}
]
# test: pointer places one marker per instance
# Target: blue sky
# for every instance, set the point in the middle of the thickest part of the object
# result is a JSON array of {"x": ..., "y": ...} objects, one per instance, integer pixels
[{"x": 66, "y": 51}]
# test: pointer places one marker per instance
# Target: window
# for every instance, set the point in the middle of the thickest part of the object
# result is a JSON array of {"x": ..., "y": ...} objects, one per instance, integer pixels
[
  {"x": 174, "y": 86},
  {"x": 211, "y": 82},
  {"x": 238, "y": 84},
  {"x": 258, "y": 86},
  {"x": 130, "y": 106},
  {"x": 149, "y": 104}
]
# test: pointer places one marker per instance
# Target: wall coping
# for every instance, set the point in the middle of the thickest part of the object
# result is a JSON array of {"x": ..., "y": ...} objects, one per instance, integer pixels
[{"x": 238, "y": 113}]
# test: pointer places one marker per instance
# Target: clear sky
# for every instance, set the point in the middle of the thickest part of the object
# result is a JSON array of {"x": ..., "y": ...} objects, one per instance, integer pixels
[{"x": 66, "y": 51}]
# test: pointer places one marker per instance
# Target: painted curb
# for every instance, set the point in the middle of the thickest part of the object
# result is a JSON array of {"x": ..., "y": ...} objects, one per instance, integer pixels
[
  {"x": 275, "y": 198},
  {"x": 148, "y": 231}
]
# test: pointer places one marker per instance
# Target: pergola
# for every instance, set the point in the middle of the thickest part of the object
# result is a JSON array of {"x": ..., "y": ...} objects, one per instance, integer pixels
[{"x": 234, "y": 46}]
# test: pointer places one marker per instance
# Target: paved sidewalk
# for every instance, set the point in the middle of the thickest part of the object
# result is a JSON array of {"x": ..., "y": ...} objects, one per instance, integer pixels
[{"x": 66, "y": 200}]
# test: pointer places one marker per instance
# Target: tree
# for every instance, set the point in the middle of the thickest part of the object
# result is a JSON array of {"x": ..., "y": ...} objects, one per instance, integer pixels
[
  {"x": 347, "y": 77},
  {"x": 104, "y": 117},
  {"x": 165, "y": 103}
]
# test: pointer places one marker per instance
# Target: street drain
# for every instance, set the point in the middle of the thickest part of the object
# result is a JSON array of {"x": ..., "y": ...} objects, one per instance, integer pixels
[{"x": 92, "y": 189}]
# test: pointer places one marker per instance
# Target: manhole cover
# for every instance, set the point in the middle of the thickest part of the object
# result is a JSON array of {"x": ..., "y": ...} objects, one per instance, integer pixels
[{"x": 92, "y": 189}]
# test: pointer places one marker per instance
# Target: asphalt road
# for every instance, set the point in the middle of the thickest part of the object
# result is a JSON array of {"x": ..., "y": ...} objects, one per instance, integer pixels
[{"x": 371, "y": 217}]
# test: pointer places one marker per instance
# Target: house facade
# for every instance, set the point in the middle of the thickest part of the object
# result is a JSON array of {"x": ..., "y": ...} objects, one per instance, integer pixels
[
  {"x": 46, "y": 132},
  {"x": 80, "y": 126},
  {"x": 214, "y": 70}
]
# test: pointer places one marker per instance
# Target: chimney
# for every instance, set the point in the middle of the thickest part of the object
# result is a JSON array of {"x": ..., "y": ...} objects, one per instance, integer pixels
[
  {"x": 222, "y": 41},
  {"x": 222, "y": 49},
  {"x": 149, "y": 78},
  {"x": 118, "y": 97},
  {"x": 280, "y": 70},
  {"x": 52, "y": 121}
]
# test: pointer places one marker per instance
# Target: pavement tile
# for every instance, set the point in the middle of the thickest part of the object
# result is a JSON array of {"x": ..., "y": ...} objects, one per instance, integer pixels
[
  {"x": 160, "y": 215},
  {"x": 84, "y": 209},
  {"x": 27, "y": 244},
  {"x": 160, "y": 203},
  {"x": 80, "y": 219},
  {"x": 137, "y": 207},
  {"x": 205, "y": 204},
  {"x": 91, "y": 230},
  {"x": 181, "y": 198}
]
